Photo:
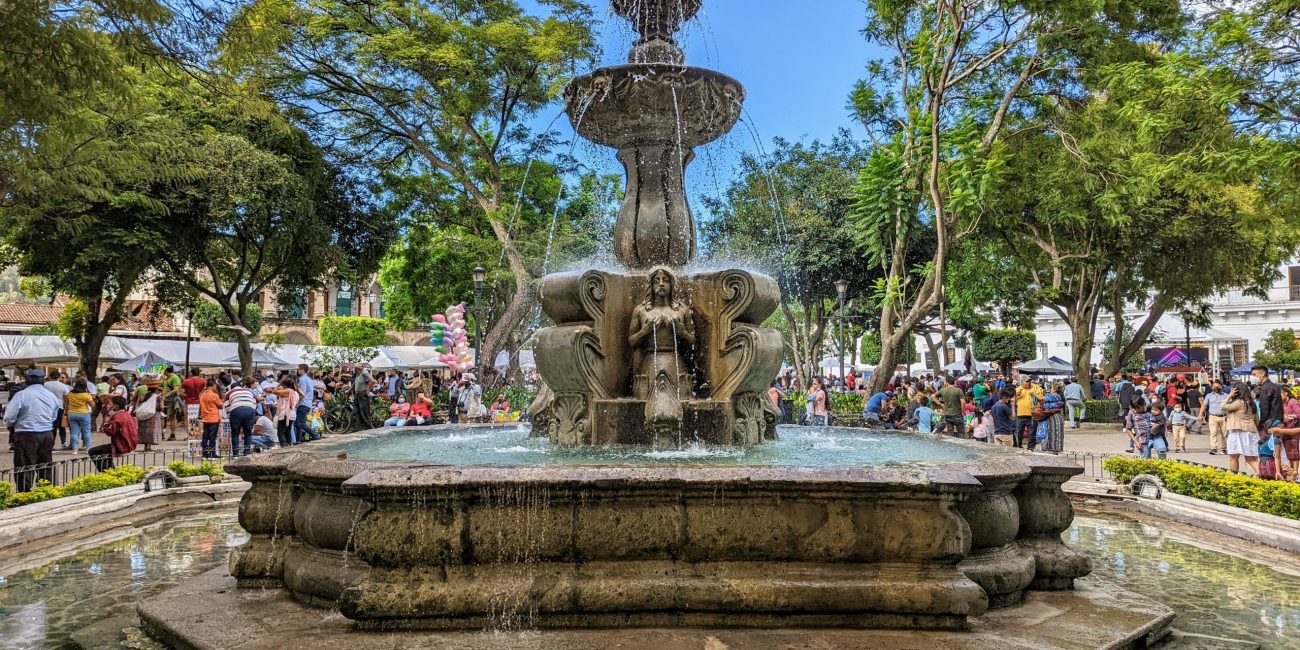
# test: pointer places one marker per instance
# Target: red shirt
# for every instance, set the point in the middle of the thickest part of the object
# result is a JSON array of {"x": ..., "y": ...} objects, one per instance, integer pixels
[
  {"x": 1171, "y": 395},
  {"x": 420, "y": 409},
  {"x": 193, "y": 387},
  {"x": 123, "y": 432}
]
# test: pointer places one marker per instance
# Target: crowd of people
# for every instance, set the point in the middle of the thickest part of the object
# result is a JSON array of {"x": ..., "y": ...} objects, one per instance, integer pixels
[
  {"x": 1256, "y": 421},
  {"x": 252, "y": 412}
]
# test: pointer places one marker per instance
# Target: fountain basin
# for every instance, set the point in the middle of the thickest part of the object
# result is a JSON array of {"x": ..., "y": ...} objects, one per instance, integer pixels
[
  {"x": 397, "y": 544},
  {"x": 653, "y": 103}
]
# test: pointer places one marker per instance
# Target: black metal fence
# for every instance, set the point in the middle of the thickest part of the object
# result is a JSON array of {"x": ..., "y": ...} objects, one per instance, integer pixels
[
  {"x": 61, "y": 471},
  {"x": 1091, "y": 463}
]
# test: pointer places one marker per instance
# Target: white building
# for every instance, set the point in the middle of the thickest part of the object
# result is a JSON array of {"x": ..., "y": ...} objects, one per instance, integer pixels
[{"x": 1240, "y": 325}]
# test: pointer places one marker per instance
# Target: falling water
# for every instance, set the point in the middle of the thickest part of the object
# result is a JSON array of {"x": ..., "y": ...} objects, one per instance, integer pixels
[
  {"x": 783, "y": 233},
  {"x": 559, "y": 199},
  {"x": 677, "y": 368},
  {"x": 681, "y": 159}
]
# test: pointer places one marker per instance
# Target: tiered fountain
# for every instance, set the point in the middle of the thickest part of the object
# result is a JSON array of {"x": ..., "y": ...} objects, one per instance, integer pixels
[
  {"x": 640, "y": 359},
  {"x": 652, "y": 355}
]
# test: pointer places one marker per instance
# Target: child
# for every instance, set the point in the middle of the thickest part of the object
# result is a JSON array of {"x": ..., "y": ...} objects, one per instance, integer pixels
[
  {"x": 1134, "y": 425},
  {"x": 982, "y": 426},
  {"x": 1178, "y": 421},
  {"x": 1156, "y": 426},
  {"x": 924, "y": 416}
]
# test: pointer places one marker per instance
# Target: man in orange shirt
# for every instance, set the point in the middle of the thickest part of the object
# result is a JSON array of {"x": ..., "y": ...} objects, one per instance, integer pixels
[{"x": 210, "y": 414}]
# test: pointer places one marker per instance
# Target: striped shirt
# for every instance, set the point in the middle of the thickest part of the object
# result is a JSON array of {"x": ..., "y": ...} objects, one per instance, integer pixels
[{"x": 240, "y": 397}]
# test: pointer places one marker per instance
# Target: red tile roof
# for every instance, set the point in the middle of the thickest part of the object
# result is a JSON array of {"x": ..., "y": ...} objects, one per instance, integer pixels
[{"x": 138, "y": 316}]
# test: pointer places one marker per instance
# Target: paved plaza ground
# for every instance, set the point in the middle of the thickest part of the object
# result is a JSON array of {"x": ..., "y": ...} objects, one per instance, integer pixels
[{"x": 1090, "y": 438}]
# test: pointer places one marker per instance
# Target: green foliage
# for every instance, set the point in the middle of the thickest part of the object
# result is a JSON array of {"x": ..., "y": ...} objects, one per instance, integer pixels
[
  {"x": 847, "y": 403},
  {"x": 120, "y": 476},
  {"x": 438, "y": 99},
  {"x": 1281, "y": 352},
  {"x": 352, "y": 331},
  {"x": 1005, "y": 347},
  {"x": 871, "y": 350},
  {"x": 519, "y": 398},
  {"x": 1134, "y": 362},
  {"x": 184, "y": 470},
  {"x": 209, "y": 319},
  {"x": 1280, "y": 498}
]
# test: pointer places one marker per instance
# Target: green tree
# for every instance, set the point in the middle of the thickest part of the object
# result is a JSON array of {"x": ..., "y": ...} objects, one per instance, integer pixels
[
  {"x": 871, "y": 351},
  {"x": 936, "y": 109},
  {"x": 1144, "y": 172},
  {"x": 1281, "y": 351},
  {"x": 211, "y": 321},
  {"x": 1005, "y": 347},
  {"x": 787, "y": 213},
  {"x": 352, "y": 331},
  {"x": 441, "y": 92}
]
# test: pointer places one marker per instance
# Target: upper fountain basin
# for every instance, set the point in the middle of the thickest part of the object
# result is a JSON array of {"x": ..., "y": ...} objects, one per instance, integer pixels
[{"x": 645, "y": 103}]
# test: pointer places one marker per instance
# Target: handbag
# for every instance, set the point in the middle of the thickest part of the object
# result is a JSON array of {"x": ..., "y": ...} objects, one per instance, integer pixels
[{"x": 146, "y": 409}]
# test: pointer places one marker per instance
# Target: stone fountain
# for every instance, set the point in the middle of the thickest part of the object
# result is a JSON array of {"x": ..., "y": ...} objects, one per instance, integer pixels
[
  {"x": 651, "y": 354},
  {"x": 648, "y": 356}
]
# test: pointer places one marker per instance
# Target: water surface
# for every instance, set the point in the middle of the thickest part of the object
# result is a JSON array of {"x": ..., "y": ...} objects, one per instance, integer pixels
[{"x": 796, "y": 447}]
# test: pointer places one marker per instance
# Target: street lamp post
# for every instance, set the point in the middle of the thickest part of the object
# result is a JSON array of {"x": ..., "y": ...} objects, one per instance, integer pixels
[
  {"x": 841, "y": 288},
  {"x": 1187, "y": 336},
  {"x": 189, "y": 335},
  {"x": 478, "y": 312}
]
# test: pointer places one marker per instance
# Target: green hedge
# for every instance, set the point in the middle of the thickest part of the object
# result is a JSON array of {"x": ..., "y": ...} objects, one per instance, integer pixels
[
  {"x": 352, "y": 331},
  {"x": 106, "y": 480},
  {"x": 1104, "y": 411},
  {"x": 1279, "y": 498}
]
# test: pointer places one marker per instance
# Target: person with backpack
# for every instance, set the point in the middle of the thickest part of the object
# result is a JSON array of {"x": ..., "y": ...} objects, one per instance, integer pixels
[{"x": 1156, "y": 425}]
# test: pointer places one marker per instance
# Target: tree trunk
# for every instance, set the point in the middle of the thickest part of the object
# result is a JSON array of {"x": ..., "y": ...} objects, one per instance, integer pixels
[
  {"x": 1140, "y": 335},
  {"x": 936, "y": 363},
  {"x": 96, "y": 330}
]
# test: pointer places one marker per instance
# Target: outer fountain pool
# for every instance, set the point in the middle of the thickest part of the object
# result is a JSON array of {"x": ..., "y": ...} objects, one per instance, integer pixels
[{"x": 1225, "y": 588}]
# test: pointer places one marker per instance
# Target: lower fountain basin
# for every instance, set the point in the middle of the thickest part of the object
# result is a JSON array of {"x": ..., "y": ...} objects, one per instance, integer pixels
[{"x": 401, "y": 544}]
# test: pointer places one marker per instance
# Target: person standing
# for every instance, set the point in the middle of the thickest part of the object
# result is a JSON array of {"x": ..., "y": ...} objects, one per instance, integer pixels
[
  {"x": 173, "y": 401},
  {"x": 1243, "y": 434},
  {"x": 286, "y": 415},
  {"x": 123, "y": 435},
  {"x": 80, "y": 402},
  {"x": 1269, "y": 397},
  {"x": 241, "y": 408},
  {"x": 953, "y": 401},
  {"x": 471, "y": 397},
  {"x": 148, "y": 414},
  {"x": 1050, "y": 436},
  {"x": 1123, "y": 390},
  {"x": 1028, "y": 395},
  {"x": 59, "y": 387},
  {"x": 1288, "y": 436},
  {"x": 1179, "y": 418},
  {"x": 307, "y": 392},
  {"x": 30, "y": 415},
  {"x": 360, "y": 396},
  {"x": 1003, "y": 419},
  {"x": 1192, "y": 406},
  {"x": 1213, "y": 416},
  {"x": 1073, "y": 394},
  {"x": 192, "y": 388},
  {"x": 1155, "y": 431},
  {"x": 453, "y": 403},
  {"x": 1098, "y": 387}
]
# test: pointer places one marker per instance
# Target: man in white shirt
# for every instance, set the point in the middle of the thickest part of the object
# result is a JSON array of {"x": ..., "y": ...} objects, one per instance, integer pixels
[
  {"x": 31, "y": 415},
  {"x": 264, "y": 433}
]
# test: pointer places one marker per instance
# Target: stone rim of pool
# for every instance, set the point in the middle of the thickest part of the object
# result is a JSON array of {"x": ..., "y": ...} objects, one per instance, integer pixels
[{"x": 402, "y": 545}]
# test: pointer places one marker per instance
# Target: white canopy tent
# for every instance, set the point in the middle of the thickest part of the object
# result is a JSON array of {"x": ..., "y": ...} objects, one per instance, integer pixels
[{"x": 526, "y": 360}]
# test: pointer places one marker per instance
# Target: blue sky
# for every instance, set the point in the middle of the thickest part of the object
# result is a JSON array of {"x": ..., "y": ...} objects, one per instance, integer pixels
[{"x": 797, "y": 60}]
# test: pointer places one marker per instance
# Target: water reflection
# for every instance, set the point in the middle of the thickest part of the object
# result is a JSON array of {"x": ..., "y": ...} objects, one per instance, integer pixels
[
  {"x": 41, "y": 607},
  {"x": 1202, "y": 576},
  {"x": 1215, "y": 592}
]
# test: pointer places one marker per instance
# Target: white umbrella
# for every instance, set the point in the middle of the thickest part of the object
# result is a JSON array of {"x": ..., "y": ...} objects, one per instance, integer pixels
[{"x": 148, "y": 361}]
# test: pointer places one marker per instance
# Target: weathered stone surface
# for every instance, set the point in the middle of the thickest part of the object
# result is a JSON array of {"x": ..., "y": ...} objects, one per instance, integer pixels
[
  {"x": 1045, "y": 513},
  {"x": 209, "y": 612}
]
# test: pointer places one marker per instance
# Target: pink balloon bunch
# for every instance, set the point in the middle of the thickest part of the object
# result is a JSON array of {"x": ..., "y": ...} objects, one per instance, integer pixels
[{"x": 450, "y": 338}]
